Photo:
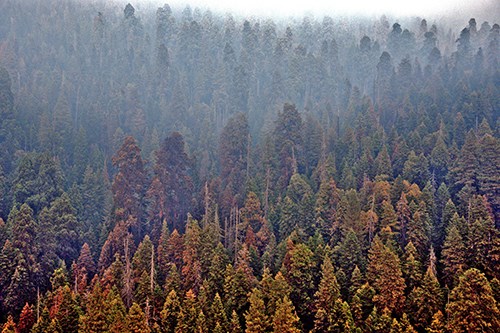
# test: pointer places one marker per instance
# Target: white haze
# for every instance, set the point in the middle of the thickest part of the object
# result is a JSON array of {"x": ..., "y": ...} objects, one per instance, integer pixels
[{"x": 487, "y": 9}]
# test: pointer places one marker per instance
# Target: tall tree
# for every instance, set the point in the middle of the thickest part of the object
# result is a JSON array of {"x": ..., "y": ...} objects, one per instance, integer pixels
[
  {"x": 285, "y": 320},
  {"x": 472, "y": 307},
  {"x": 384, "y": 273},
  {"x": 172, "y": 188},
  {"x": 129, "y": 185},
  {"x": 233, "y": 155}
]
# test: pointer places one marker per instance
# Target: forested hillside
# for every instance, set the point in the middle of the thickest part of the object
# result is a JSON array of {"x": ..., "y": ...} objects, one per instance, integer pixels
[{"x": 176, "y": 170}]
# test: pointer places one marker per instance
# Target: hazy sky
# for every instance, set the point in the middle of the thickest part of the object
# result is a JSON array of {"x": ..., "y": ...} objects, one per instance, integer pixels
[{"x": 322, "y": 7}]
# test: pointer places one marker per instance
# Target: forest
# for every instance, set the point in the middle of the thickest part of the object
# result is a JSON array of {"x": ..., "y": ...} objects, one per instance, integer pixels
[{"x": 174, "y": 170}]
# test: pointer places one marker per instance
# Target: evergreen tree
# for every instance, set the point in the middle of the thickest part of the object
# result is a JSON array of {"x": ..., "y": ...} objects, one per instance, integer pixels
[
  {"x": 299, "y": 271},
  {"x": 328, "y": 305},
  {"x": 454, "y": 255},
  {"x": 218, "y": 317},
  {"x": 171, "y": 188},
  {"x": 426, "y": 300},
  {"x": 256, "y": 318},
  {"x": 136, "y": 320},
  {"x": 188, "y": 314},
  {"x": 234, "y": 325},
  {"x": 472, "y": 307},
  {"x": 9, "y": 326},
  {"x": 128, "y": 184},
  {"x": 384, "y": 272},
  {"x": 26, "y": 319},
  {"x": 285, "y": 320}
]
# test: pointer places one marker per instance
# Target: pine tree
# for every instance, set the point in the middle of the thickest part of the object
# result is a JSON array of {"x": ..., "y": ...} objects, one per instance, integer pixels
[
  {"x": 453, "y": 255},
  {"x": 488, "y": 177},
  {"x": 42, "y": 324},
  {"x": 285, "y": 319},
  {"x": 233, "y": 151},
  {"x": 299, "y": 271},
  {"x": 191, "y": 271},
  {"x": 426, "y": 300},
  {"x": 412, "y": 267},
  {"x": 404, "y": 218},
  {"x": 201, "y": 324},
  {"x": 9, "y": 326},
  {"x": 188, "y": 314},
  {"x": 172, "y": 185},
  {"x": 94, "y": 320},
  {"x": 471, "y": 307},
  {"x": 136, "y": 320},
  {"x": 384, "y": 272},
  {"x": 234, "y": 325},
  {"x": 236, "y": 290},
  {"x": 61, "y": 215},
  {"x": 256, "y": 318},
  {"x": 115, "y": 312},
  {"x": 26, "y": 319},
  {"x": 128, "y": 184},
  {"x": 169, "y": 314},
  {"x": 66, "y": 310},
  {"x": 218, "y": 315},
  {"x": 438, "y": 324},
  {"x": 328, "y": 305}
]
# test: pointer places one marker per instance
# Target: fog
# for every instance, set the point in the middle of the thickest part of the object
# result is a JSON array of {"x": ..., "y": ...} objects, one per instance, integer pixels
[{"x": 451, "y": 9}]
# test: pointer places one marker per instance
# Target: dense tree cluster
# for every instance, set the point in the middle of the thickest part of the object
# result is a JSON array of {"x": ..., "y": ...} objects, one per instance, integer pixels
[{"x": 179, "y": 171}]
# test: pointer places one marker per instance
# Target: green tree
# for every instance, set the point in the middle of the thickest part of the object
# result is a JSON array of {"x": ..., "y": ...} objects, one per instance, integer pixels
[
  {"x": 188, "y": 314},
  {"x": 233, "y": 151},
  {"x": 454, "y": 256},
  {"x": 471, "y": 307},
  {"x": 169, "y": 316},
  {"x": 426, "y": 300},
  {"x": 299, "y": 270},
  {"x": 218, "y": 315}
]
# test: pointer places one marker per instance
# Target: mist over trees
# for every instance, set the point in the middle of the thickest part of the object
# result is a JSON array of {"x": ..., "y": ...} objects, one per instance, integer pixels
[{"x": 176, "y": 170}]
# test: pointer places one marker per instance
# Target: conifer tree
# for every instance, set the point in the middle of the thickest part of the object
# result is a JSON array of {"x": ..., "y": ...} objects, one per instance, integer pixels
[
  {"x": 285, "y": 319},
  {"x": 26, "y": 319},
  {"x": 453, "y": 255},
  {"x": 9, "y": 326},
  {"x": 384, "y": 272},
  {"x": 471, "y": 307},
  {"x": 426, "y": 300},
  {"x": 136, "y": 320},
  {"x": 115, "y": 312},
  {"x": 94, "y": 320},
  {"x": 299, "y": 271},
  {"x": 438, "y": 324},
  {"x": 191, "y": 270},
  {"x": 255, "y": 318},
  {"x": 234, "y": 325},
  {"x": 172, "y": 185},
  {"x": 412, "y": 267},
  {"x": 328, "y": 305},
  {"x": 188, "y": 314},
  {"x": 128, "y": 184},
  {"x": 218, "y": 317},
  {"x": 169, "y": 314}
]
